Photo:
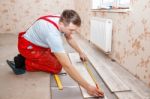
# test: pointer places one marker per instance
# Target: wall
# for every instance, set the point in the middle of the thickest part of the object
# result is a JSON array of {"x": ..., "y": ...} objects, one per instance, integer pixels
[
  {"x": 17, "y": 15},
  {"x": 131, "y": 35}
]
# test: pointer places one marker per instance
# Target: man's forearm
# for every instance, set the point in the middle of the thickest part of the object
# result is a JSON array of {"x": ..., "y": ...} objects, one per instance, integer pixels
[
  {"x": 65, "y": 62},
  {"x": 74, "y": 45}
]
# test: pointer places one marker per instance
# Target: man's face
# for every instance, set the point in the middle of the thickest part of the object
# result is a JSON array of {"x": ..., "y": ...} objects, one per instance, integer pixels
[{"x": 67, "y": 29}]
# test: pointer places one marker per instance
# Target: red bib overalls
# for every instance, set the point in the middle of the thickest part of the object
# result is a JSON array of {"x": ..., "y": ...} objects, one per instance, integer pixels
[{"x": 38, "y": 58}]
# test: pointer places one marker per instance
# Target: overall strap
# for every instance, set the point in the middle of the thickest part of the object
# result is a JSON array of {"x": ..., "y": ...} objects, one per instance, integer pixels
[
  {"x": 50, "y": 16},
  {"x": 46, "y": 19}
]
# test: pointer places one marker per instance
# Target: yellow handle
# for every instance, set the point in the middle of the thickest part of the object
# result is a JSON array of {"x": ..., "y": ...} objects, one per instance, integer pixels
[{"x": 59, "y": 84}]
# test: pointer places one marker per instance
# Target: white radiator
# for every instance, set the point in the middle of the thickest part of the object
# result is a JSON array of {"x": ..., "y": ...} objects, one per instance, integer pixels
[{"x": 101, "y": 33}]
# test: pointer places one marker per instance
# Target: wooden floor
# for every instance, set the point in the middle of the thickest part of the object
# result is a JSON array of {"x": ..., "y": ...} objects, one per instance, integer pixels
[{"x": 122, "y": 83}]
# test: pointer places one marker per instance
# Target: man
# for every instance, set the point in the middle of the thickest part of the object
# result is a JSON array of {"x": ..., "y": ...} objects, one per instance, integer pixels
[{"x": 41, "y": 48}]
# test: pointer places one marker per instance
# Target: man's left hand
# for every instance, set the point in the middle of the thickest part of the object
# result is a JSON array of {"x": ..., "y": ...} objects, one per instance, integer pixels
[{"x": 83, "y": 57}]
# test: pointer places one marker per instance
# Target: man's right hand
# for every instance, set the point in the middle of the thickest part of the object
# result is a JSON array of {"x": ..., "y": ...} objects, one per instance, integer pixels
[{"x": 92, "y": 90}]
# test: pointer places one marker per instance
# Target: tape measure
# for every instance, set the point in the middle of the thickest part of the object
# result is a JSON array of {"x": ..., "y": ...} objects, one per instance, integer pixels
[{"x": 91, "y": 74}]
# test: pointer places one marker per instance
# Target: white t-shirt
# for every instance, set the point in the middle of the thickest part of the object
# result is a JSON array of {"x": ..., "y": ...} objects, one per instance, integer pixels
[{"x": 45, "y": 34}]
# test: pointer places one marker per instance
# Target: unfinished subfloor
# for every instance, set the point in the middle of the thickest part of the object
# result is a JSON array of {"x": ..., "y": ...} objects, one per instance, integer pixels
[{"x": 39, "y": 85}]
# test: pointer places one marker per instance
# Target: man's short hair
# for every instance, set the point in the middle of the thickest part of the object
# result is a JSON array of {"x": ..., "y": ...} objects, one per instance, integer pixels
[{"x": 70, "y": 16}]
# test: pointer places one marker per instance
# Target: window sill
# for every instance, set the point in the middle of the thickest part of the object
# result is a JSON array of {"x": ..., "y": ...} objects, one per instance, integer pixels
[{"x": 112, "y": 10}]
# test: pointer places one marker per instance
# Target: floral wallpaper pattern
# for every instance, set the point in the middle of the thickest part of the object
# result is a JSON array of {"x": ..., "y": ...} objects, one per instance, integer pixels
[
  {"x": 17, "y": 15},
  {"x": 131, "y": 35}
]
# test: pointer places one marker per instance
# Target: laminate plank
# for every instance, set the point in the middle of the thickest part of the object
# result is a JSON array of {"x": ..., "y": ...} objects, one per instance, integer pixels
[
  {"x": 132, "y": 82},
  {"x": 128, "y": 95},
  {"x": 110, "y": 78},
  {"x": 74, "y": 57},
  {"x": 135, "y": 84}
]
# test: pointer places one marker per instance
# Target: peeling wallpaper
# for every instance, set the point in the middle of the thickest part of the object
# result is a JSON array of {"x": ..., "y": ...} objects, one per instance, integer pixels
[
  {"x": 17, "y": 15},
  {"x": 131, "y": 35}
]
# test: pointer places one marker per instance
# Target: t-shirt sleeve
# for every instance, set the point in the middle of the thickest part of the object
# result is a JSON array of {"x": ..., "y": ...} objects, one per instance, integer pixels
[
  {"x": 50, "y": 36},
  {"x": 55, "y": 43},
  {"x": 54, "y": 39}
]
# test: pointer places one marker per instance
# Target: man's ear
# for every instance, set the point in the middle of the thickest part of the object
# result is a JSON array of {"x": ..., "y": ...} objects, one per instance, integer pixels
[{"x": 61, "y": 23}]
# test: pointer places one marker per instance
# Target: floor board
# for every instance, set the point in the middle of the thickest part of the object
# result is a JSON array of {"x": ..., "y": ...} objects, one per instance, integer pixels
[
  {"x": 74, "y": 57},
  {"x": 137, "y": 86}
]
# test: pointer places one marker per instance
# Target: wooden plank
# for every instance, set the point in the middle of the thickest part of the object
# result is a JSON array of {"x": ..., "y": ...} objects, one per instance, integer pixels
[
  {"x": 112, "y": 81},
  {"x": 135, "y": 84},
  {"x": 110, "y": 78},
  {"x": 128, "y": 95},
  {"x": 74, "y": 57},
  {"x": 139, "y": 88}
]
